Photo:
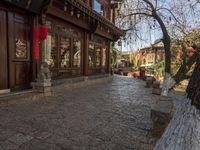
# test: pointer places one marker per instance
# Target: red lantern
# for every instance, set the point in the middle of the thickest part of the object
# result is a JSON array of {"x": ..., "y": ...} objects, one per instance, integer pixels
[
  {"x": 36, "y": 42},
  {"x": 43, "y": 32}
]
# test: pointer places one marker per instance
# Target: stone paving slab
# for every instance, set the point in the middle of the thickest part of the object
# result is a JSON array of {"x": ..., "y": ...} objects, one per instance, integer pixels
[{"x": 108, "y": 116}]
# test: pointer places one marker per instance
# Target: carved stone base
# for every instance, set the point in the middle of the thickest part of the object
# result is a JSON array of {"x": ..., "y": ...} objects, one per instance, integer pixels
[
  {"x": 42, "y": 87},
  {"x": 43, "y": 82}
]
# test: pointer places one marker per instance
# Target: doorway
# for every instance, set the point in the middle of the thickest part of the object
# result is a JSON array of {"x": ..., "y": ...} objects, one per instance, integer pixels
[{"x": 15, "y": 60}]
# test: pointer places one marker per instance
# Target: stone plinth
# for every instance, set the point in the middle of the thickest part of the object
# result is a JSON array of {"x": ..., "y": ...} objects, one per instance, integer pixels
[
  {"x": 161, "y": 115},
  {"x": 149, "y": 82},
  {"x": 43, "y": 87},
  {"x": 156, "y": 88},
  {"x": 156, "y": 91},
  {"x": 43, "y": 82}
]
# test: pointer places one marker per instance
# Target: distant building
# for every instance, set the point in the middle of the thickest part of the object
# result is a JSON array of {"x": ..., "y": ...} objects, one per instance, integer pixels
[{"x": 150, "y": 55}]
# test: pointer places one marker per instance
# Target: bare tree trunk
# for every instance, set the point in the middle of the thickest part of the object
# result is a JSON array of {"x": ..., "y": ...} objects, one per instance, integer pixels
[
  {"x": 168, "y": 83},
  {"x": 168, "y": 80}
]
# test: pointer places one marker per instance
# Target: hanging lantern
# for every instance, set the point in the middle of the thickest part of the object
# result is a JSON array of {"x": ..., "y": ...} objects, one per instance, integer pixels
[
  {"x": 72, "y": 11},
  {"x": 43, "y": 32},
  {"x": 36, "y": 42},
  {"x": 65, "y": 8},
  {"x": 78, "y": 14}
]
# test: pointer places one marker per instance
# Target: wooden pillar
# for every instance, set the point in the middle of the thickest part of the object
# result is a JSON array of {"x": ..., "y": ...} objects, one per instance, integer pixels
[
  {"x": 108, "y": 59},
  {"x": 42, "y": 43},
  {"x": 85, "y": 54},
  {"x": 43, "y": 81},
  {"x": 36, "y": 65}
]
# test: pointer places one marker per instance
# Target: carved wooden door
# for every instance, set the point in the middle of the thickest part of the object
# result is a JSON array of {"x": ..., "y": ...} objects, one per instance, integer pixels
[
  {"x": 3, "y": 51},
  {"x": 19, "y": 31}
]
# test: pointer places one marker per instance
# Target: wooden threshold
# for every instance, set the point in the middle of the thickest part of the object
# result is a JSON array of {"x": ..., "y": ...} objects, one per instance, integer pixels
[{"x": 4, "y": 91}]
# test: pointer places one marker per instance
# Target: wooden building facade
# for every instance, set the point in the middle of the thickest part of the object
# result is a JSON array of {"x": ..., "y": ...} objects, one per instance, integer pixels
[{"x": 72, "y": 36}]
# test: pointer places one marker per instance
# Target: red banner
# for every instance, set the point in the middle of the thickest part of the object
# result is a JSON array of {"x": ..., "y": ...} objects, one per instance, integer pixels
[
  {"x": 43, "y": 32},
  {"x": 40, "y": 33}
]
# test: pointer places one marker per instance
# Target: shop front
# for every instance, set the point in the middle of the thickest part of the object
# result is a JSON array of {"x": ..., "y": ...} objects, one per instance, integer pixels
[
  {"x": 65, "y": 45},
  {"x": 77, "y": 44},
  {"x": 49, "y": 40}
]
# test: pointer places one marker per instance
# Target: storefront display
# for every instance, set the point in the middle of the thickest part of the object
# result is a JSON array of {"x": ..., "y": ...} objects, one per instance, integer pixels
[
  {"x": 63, "y": 49},
  {"x": 98, "y": 51}
]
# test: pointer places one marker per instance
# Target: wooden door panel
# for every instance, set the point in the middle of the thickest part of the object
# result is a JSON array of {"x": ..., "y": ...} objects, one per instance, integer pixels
[
  {"x": 3, "y": 51},
  {"x": 19, "y": 50},
  {"x": 21, "y": 74}
]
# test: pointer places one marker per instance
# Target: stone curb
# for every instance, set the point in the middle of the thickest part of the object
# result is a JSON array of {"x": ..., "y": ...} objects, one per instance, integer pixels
[{"x": 31, "y": 95}]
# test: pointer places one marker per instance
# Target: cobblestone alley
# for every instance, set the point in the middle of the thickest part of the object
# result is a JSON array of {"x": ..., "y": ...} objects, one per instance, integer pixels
[{"x": 108, "y": 116}]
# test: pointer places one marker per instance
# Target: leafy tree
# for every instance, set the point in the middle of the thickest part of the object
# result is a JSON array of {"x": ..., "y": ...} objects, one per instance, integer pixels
[{"x": 115, "y": 55}]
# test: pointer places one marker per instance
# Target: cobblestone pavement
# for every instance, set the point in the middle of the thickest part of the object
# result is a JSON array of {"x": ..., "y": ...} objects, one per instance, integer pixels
[{"x": 109, "y": 116}]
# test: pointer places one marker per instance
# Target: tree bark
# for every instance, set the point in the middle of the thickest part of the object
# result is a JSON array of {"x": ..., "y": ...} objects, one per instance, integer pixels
[
  {"x": 168, "y": 83},
  {"x": 185, "y": 67},
  {"x": 183, "y": 131},
  {"x": 193, "y": 88}
]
